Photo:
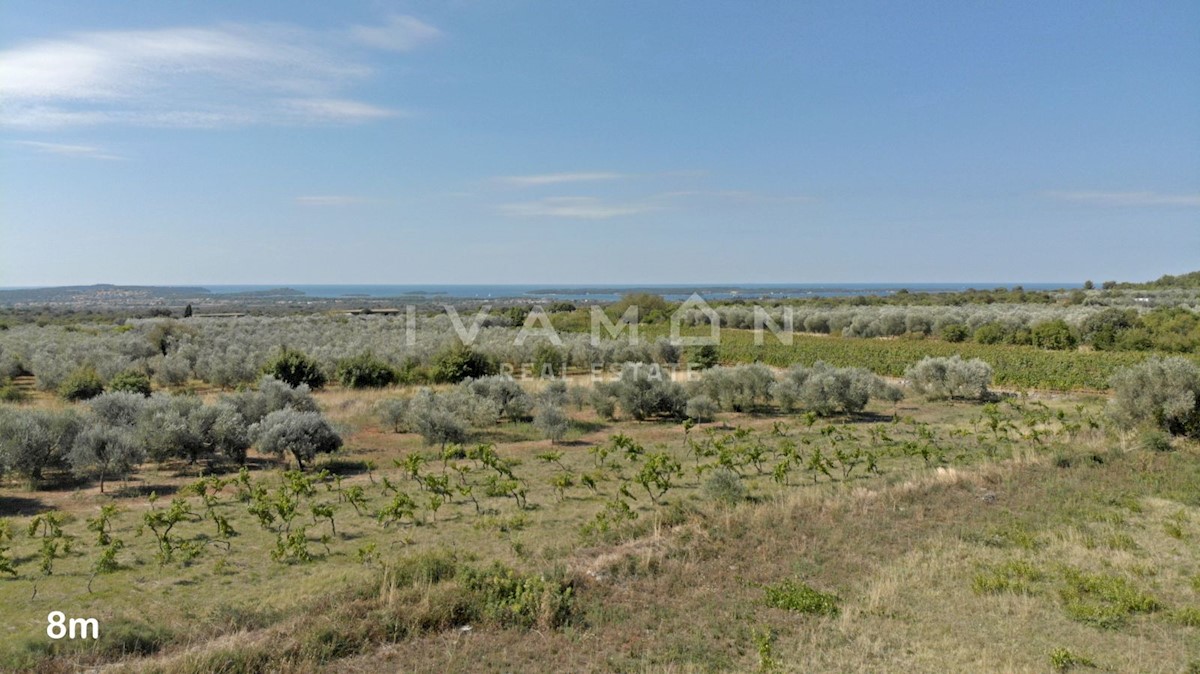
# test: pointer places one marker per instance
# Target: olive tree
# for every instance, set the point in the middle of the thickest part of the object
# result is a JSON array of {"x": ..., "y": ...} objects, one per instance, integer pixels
[
  {"x": 512, "y": 400},
  {"x": 740, "y": 388},
  {"x": 34, "y": 441},
  {"x": 271, "y": 395},
  {"x": 826, "y": 390},
  {"x": 105, "y": 450},
  {"x": 1164, "y": 392},
  {"x": 952, "y": 377},
  {"x": 552, "y": 422},
  {"x": 301, "y": 434}
]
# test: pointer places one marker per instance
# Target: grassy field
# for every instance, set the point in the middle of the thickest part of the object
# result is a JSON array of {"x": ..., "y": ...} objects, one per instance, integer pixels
[{"x": 927, "y": 537}]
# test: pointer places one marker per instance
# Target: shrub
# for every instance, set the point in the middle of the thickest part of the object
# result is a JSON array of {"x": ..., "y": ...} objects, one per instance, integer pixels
[
  {"x": 294, "y": 369},
  {"x": 131, "y": 381},
  {"x": 726, "y": 486},
  {"x": 365, "y": 371},
  {"x": 701, "y": 408},
  {"x": 458, "y": 363},
  {"x": 1055, "y": 334},
  {"x": 991, "y": 333},
  {"x": 950, "y": 377},
  {"x": 705, "y": 356},
  {"x": 302, "y": 434},
  {"x": 1164, "y": 392},
  {"x": 799, "y": 597},
  {"x": 1156, "y": 441},
  {"x": 11, "y": 393},
  {"x": 82, "y": 384},
  {"x": 603, "y": 400},
  {"x": 1063, "y": 660},
  {"x": 955, "y": 332}
]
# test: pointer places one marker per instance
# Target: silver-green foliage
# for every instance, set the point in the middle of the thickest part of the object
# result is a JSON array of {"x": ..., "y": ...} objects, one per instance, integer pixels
[
  {"x": 1164, "y": 392},
  {"x": 952, "y": 377}
]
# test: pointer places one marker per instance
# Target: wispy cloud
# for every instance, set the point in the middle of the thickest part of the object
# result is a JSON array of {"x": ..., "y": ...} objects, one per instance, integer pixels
[
  {"x": 1127, "y": 198},
  {"x": 329, "y": 200},
  {"x": 559, "y": 178},
  {"x": 741, "y": 196},
  {"x": 399, "y": 33},
  {"x": 60, "y": 149},
  {"x": 184, "y": 77},
  {"x": 579, "y": 208}
]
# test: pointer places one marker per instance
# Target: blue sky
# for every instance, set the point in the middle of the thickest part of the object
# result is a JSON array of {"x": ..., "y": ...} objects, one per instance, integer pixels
[{"x": 597, "y": 142}]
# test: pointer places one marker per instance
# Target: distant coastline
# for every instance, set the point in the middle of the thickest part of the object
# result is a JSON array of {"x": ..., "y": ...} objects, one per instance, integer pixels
[{"x": 524, "y": 293}]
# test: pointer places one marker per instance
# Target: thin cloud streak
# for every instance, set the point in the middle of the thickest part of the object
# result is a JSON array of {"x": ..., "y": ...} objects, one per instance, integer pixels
[
  {"x": 63, "y": 150},
  {"x": 194, "y": 77},
  {"x": 1127, "y": 198},
  {"x": 559, "y": 178},
  {"x": 329, "y": 200},
  {"x": 399, "y": 33},
  {"x": 576, "y": 208}
]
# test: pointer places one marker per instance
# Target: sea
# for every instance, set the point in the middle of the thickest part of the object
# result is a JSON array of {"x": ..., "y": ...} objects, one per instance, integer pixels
[{"x": 609, "y": 293}]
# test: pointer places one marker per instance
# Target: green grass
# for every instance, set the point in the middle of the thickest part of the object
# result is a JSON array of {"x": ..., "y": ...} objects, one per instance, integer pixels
[
  {"x": 1103, "y": 600},
  {"x": 799, "y": 597}
]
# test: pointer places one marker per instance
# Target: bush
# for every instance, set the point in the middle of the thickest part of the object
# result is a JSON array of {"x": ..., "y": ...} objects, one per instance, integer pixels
[
  {"x": 11, "y": 393},
  {"x": 82, "y": 384},
  {"x": 726, "y": 486},
  {"x": 365, "y": 371},
  {"x": 1164, "y": 392},
  {"x": 705, "y": 356},
  {"x": 131, "y": 381},
  {"x": 701, "y": 408},
  {"x": 991, "y": 333},
  {"x": 1054, "y": 334},
  {"x": 799, "y": 597},
  {"x": 955, "y": 332},
  {"x": 303, "y": 434},
  {"x": 951, "y": 377},
  {"x": 604, "y": 401},
  {"x": 295, "y": 369},
  {"x": 1156, "y": 441},
  {"x": 459, "y": 363}
]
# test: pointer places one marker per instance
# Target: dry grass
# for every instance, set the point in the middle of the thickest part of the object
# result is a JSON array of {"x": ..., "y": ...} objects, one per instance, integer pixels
[{"x": 681, "y": 588}]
